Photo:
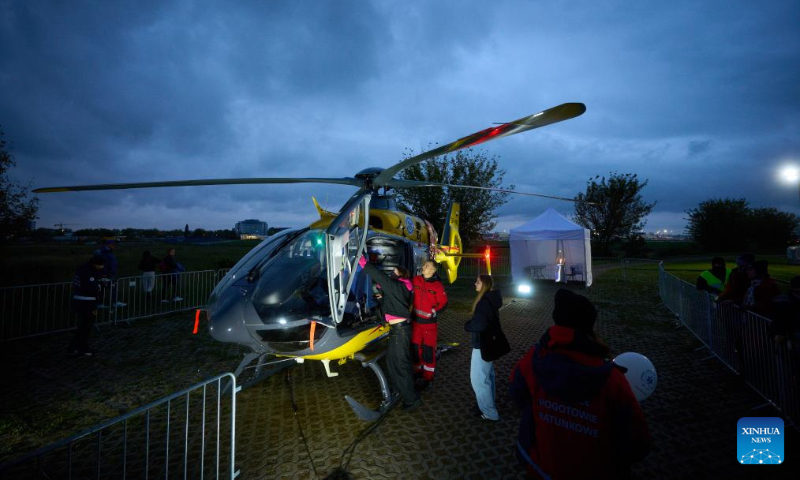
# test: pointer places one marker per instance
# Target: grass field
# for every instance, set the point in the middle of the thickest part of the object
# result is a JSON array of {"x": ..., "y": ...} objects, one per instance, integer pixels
[
  {"x": 36, "y": 263},
  {"x": 779, "y": 269}
]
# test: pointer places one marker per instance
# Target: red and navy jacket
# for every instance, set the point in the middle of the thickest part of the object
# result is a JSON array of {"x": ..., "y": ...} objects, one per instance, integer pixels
[
  {"x": 580, "y": 418},
  {"x": 429, "y": 295}
]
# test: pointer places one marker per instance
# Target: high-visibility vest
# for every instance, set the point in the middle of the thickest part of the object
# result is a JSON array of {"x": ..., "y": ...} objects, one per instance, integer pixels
[{"x": 713, "y": 281}]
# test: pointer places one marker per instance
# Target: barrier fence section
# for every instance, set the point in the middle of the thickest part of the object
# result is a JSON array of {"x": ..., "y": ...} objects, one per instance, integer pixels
[
  {"x": 767, "y": 360},
  {"x": 189, "y": 434},
  {"x": 32, "y": 310}
]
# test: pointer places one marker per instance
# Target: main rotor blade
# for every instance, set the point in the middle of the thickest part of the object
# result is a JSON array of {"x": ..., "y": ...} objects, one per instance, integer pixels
[
  {"x": 194, "y": 183},
  {"x": 400, "y": 183},
  {"x": 553, "y": 115}
]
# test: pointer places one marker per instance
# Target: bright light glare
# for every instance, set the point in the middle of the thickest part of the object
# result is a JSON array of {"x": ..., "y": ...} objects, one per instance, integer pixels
[
  {"x": 790, "y": 173},
  {"x": 526, "y": 289}
]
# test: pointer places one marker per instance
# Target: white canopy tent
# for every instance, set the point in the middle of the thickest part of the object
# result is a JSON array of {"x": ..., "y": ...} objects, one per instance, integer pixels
[{"x": 539, "y": 246}]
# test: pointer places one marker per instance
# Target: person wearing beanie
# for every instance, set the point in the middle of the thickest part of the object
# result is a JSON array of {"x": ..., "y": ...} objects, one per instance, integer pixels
[
  {"x": 85, "y": 298},
  {"x": 580, "y": 418}
]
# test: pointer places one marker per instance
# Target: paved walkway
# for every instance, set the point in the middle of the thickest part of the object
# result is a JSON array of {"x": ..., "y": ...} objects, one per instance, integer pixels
[{"x": 692, "y": 415}]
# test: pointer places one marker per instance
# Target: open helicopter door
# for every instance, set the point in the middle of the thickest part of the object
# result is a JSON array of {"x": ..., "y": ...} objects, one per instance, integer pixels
[{"x": 345, "y": 240}]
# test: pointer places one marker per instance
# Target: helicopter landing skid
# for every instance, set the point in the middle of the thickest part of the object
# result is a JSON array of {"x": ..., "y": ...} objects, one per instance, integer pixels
[
  {"x": 360, "y": 410},
  {"x": 261, "y": 370}
]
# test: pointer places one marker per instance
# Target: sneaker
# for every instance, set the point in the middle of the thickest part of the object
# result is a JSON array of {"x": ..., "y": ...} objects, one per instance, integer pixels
[
  {"x": 481, "y": 416},
  {"x": 120, "y": 304},
  {"x": 177, "y": 299}
]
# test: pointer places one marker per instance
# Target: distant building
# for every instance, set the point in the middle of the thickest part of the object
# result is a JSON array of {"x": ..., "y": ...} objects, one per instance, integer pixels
[{"x": 251, "y": 229}]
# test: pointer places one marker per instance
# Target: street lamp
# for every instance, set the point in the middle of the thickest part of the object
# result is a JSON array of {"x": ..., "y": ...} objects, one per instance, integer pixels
[{"x": 791, "y": 174}]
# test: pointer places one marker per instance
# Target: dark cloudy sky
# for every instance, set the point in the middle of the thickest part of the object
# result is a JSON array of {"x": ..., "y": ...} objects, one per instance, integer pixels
[{"x": 702, "y": 98}]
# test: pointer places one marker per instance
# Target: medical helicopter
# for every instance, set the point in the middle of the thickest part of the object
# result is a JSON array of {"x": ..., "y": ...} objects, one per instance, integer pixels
[{"x": 300, "y": 294}]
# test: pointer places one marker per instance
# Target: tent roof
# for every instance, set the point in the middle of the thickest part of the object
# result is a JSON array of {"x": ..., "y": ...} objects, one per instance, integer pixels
[{"x": 551, "y": 222}]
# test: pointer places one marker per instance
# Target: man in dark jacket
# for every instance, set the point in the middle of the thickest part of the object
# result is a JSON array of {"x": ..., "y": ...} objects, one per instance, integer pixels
[
  {"x": 580, "y": 418},
  {"x": 85, "y": 297},
  {"x": 396, "y": 306},
  {"x": 429, "y": 301}
]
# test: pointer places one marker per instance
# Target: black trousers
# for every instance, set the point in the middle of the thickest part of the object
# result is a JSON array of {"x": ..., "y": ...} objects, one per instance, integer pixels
[
  {"x": 398, "y": 362},
  {"x": 85, "y": 311}
]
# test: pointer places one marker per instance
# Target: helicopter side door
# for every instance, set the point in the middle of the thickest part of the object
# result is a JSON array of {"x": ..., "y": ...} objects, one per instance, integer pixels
[{"x": 345, "y": 240}]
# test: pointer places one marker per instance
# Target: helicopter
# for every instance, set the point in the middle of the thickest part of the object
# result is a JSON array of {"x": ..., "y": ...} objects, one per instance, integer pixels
[{"x": 300, "y": 294}]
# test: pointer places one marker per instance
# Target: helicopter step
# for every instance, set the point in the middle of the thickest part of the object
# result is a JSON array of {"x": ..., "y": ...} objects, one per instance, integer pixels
[{"x": 360, "y": 410}]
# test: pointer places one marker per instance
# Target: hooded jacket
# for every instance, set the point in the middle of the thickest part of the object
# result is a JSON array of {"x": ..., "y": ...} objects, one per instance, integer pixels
[
  {"x": 487, "y": 314},
  {"x": 580, "y": 418}
]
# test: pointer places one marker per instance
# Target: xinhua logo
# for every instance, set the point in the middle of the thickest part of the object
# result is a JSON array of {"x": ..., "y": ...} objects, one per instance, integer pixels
[{"x": 759, "y": 441}]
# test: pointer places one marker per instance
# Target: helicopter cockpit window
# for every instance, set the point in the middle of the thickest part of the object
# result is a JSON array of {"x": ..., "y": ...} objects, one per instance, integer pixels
[
  {"x": 253, "y": 257},
  {"x": 292, "y": 285}
]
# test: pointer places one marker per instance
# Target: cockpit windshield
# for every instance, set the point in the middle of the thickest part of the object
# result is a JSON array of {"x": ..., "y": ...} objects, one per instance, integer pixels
[
  {"x": 243, "y": 266},
  {"x": 292, "y": 286}
]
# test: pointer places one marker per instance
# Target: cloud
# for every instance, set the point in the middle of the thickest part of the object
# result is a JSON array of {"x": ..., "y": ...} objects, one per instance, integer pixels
[{"x": 697, "y": 98}]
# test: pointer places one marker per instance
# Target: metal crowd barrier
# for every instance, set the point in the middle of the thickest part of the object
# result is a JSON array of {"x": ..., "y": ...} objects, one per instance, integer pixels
[
  {"x": 32, "y": 310},
  {"x": 741, "y": 340},
  {"x": 189, "y": 434}
]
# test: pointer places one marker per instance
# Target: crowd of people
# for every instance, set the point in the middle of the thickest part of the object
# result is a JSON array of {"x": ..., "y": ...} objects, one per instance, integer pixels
[{"x": 750, "y": 286}]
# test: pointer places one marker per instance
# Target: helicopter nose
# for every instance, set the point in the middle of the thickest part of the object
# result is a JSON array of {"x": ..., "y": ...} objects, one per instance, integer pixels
[{"x": 226, "y": 321}]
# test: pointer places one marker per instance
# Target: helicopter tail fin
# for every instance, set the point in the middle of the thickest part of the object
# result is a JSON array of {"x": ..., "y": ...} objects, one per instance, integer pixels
[
  {"x": 449, "y": 251},
  {"x": 323, "y": 214}
]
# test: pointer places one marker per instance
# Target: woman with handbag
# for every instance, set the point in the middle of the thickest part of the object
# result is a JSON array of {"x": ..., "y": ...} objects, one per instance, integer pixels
[{"x": 488, "y": 344}]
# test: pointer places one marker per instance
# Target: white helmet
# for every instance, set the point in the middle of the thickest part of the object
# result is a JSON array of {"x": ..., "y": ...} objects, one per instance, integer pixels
[{"x": 641, "y": 373}]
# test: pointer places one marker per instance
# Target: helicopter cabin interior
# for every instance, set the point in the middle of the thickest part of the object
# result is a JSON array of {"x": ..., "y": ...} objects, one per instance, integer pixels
[{"x": 362, "y": 306}]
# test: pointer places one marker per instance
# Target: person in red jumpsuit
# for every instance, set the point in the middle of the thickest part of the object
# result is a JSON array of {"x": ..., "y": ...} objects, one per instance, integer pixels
[{"x": 429, "y": 301}]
